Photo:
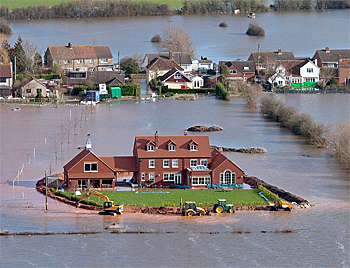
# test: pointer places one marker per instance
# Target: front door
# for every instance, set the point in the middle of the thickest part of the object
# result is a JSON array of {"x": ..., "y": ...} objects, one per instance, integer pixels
[{"x": 177, "y": 178}]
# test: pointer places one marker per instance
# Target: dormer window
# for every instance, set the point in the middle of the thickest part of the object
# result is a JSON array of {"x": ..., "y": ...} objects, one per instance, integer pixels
[
  {"x": 177, "y": 75},
  {"x": 171, "y": 147},
  {"x": 193, "y": 147},
  {"x": 150, "y": 147}
]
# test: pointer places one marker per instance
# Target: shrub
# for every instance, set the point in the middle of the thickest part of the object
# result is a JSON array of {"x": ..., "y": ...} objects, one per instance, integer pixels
[
  {"x": 4, "y": 28},
  {"x": 255, "y": 30},
  {"x": 220, "y": 91},
  {"x": 156, "y": 39},
  {"x": 223, "y": 24},
  {"x": 340, "y": 142}
]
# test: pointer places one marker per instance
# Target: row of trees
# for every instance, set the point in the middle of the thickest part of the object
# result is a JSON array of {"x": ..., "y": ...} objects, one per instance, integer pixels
[
  {"x": 335, "y": 137},
  {"x": 123, "y": 8},
  {"x": 88, "y": 9}
]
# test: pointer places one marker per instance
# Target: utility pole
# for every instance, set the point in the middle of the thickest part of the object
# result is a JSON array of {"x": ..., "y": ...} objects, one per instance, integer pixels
[
  {"x": 45, "y": 190},
  {"x": 258, "y": 57}
]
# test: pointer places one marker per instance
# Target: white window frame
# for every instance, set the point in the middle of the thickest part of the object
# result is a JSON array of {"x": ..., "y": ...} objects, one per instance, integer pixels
[
  {"x": 309, "y": 70},
  {"x": 166, "y": 163},
  {"x": 177, "y": 75},
  {"x": 201, "y": 180},
  {"x": 90, "y": 166},
  {"x": 204, "y": 162},
  {"x": 175, "y": 163},
  {"x": 151, "y": 163},
  {"x": 104, "y": 60},
  {"x": 143, "y": 177},
  {"x": 81, "y": 61},
  {"x": 150, "y": 148},
  {"x": 171, "y": 147},
  {"x": 193, "y": 147},
  {"x": 194, "y": 161},
  {"x": 233, "y": 71},
  {"x": 168, "y": 176},
  {"x": 92, "y": 60},
  {"x": 232, "y": 179},
  {"x": 151, "y": 177}
]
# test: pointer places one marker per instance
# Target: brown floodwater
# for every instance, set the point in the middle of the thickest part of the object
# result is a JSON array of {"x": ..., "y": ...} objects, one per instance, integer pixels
[{"x": 315, "y": 237}]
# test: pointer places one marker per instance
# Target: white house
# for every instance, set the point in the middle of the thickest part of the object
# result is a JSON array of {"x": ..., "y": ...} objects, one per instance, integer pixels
[
  {"x": 310, "y": 72},
  {"x": 197, "y": 82},
  {"x": 32, "y": 87}
]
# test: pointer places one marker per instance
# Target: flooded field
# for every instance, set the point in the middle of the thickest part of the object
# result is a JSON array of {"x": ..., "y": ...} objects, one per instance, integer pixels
[{"x": 245, "y": 239}]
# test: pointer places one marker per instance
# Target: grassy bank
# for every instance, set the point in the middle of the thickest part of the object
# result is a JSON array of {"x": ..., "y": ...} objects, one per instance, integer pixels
[
  {"x": 171, "y": 198},
  {"x": 26, "y": 3}
]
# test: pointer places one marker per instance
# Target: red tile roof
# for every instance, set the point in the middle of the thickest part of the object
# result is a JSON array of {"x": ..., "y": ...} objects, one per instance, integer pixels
[
  {"x": 79, "y": 52},
  {"x": 182, "y": 149},
  {"x": 121, "y": 163},
  {"x": 218, "y": 158},
  {"x": 164, "y": 64},
  {"x": 79, "y": 157}
]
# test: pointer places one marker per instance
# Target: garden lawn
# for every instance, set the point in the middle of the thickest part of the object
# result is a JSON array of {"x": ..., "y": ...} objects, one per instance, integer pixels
[{"x": 171, "y": 198}]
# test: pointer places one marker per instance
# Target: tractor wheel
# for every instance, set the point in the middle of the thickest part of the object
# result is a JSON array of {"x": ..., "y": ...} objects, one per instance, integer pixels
[
  {"x": 231, "y": 210},
  {"x": 288, "y": 209},
  {"x": 189, "y": 213},
  {"x": 218, "y": 209},
  {"x": 201, "y": 213}
]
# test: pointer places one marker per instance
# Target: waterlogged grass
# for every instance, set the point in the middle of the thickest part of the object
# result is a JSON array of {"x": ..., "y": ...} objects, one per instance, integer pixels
[
  {"x": 25, "y": 3},
  {"x": 171, "y": 198}
]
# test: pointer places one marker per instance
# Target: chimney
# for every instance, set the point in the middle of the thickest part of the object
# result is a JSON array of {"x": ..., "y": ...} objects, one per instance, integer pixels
[
  {"x": 185, "y": 133},
  {"x": 88, "y": 143},
  {"x": 70, "y": 45},
  {"x": 156, "y": 139},
  {"x": 327, "y": 50},
  {"x": 316, "y": 62},
  {"x": 170, "y": 55},
  {"x": 279, "y": 51}
]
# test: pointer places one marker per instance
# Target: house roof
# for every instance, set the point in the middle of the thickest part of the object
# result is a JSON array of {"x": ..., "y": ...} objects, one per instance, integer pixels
[
  {"x": 5, "y": 71},
  {"x": 271, "y": 56},
  {"x": 79, "y": 157},
  {"x": 163, "y": 64},
  {"x": 27, "y": 81},
  {"x": 295, "y": 70},
  {"x": 205, "y": 61},
  {"x": 243, "y": 66},
  {"x": 171, "y": 73},
  {"x": 182, "y": 149},
  {"x": 217, "y": 158},
  {"x": 71, "y": 52},
  {"x": 332, "y": 55},
  {"x": 180, "y": 58},
  {"x": 121, "y": 163}
]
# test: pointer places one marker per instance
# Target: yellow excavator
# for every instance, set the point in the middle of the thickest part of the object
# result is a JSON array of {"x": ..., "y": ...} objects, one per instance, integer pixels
[{"x": 109, "y": 208}]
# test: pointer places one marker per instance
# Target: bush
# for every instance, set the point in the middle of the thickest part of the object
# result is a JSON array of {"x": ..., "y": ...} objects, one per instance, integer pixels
[
  {"x": 4, "y": 28},
  {"x": 156, "y": 39},
  {"x": 223, "y": 24},
  {"x": 221, "y": 92},
  {"x": 255, "y": 30}
]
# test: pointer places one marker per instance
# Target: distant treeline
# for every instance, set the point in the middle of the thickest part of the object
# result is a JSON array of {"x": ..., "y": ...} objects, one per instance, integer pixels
[
  {"x": 88, "y": 9},
  {"x": 123, "y": 8}
]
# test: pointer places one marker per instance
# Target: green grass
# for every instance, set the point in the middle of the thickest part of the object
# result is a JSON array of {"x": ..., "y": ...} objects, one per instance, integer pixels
[
  {"x": 205, "y": 197},
  {"x": 24, "y": 3}
]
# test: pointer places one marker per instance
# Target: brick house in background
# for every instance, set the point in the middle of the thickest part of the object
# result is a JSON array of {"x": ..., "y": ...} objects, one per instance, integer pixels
[
  {"x": 344, "y": 71},
  {"x": 240, "y": 70},
  {"x": 330, "y": 57},
  {"x": 156, "y": 161},
  {"x": 79, "y": 58}
]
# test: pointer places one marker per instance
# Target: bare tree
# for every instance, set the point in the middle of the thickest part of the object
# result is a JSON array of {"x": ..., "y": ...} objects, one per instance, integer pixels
[
  {"x": 55, "y": 144},
  {"x": 30, "y": 51},
  {"x": 177, "y": 39},
  {"x": 339, "y": 137},
  {"x": 62, "y": 135},
  {"x": 251, "y": 93},
  {"x": 75, "y": 121},
  {"x": 68, "y": 130},
  {"x": 327, "y": 74}
]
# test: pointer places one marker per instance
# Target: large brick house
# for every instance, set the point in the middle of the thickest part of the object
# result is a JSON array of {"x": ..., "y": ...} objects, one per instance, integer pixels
[
  {"x": 330, "y": 57},
  {"x": 239, "y": 70},
  {"x": 156, "y": 161},
  {"x": 79, "y": 58}
]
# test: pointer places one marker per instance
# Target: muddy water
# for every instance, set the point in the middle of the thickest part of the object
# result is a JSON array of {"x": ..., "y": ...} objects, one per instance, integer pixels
[
  {"x": 286, "y": 30},
  {"x": 317, "y": 237}
]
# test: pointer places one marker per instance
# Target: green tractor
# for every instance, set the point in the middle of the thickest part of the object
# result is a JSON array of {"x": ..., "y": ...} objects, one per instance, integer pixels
[
  {"x": 190, "y": 209},
  {"x": 221, "y": 206}
]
